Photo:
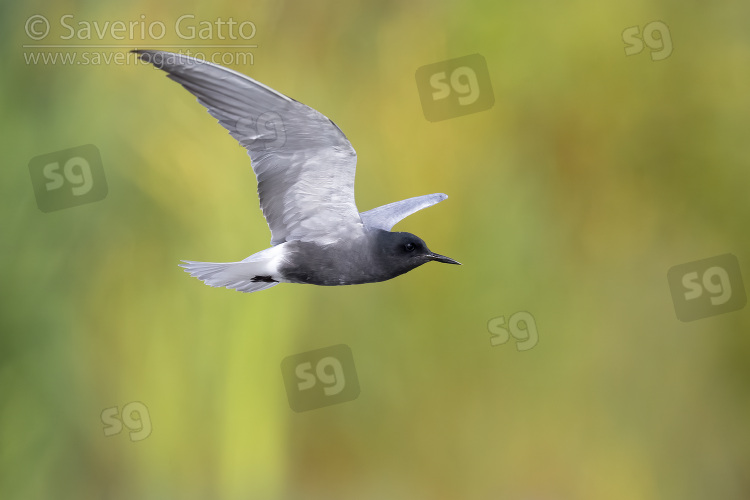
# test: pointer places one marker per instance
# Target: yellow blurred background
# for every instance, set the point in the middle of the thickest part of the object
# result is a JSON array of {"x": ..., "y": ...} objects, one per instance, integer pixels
[{"x": 591, "y": 176}]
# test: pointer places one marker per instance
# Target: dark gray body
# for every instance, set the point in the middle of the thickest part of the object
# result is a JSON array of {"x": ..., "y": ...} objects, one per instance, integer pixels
[{"x": 375, "y": 256}]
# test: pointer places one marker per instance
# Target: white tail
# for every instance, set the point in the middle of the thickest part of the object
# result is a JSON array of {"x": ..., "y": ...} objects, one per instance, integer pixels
[{"x": 245, "y": 276}]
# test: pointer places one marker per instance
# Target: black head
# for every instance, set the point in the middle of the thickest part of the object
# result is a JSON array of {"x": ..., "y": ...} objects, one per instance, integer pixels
[{"x": 405, "y": 251}]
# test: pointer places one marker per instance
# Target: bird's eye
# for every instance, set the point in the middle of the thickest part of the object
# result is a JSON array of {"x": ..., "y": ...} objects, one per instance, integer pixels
[{"x": 409, "y": 247}]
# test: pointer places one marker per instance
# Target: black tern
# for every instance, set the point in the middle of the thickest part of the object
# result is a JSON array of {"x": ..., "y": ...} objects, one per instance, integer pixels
[{"x": 305, "y": 169}]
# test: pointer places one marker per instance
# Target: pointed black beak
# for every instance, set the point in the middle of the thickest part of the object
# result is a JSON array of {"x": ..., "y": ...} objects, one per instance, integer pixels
[{"x": 442, "y": 258}]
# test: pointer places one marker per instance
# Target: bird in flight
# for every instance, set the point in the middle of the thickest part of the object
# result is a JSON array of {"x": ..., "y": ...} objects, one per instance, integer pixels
[{"x": 305, "y": 169}]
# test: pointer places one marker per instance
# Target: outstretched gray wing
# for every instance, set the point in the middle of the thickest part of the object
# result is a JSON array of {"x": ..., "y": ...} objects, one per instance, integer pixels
[
  {"x": 304, "y": 163},
  {"x": 387, "y": 216}
]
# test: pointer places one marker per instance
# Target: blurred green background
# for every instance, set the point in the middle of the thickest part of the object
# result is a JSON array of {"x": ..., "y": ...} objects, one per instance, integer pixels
[{"x": 592, "y": 175}]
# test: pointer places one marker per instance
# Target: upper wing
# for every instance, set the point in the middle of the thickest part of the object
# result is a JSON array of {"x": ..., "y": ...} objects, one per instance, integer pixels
[
  {"x": 304, "y": 163},
  {"x": 387, "y": 216}
]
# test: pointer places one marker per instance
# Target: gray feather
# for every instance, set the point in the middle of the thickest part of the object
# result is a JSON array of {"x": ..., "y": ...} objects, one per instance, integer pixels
[
  {"x": 387, "y": 216},
  {"x": 304, "y": 164}
]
